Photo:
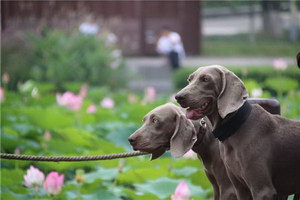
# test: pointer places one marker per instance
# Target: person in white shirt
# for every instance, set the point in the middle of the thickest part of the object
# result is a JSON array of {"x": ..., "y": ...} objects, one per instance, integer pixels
[
  {"x": 170, "y": 45},
  {"x": 89, "y": 27}
]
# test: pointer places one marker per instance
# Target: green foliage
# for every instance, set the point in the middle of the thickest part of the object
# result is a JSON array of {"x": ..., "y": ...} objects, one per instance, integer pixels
[
  {"x": 251, "y": 84},
  {"x": 164, "y": 187},
  {"x": 181, "y": 75},
  {"x": 281, "y": 84},
  {"x": 240, "y": 45},
  {"x": 232, "y": 4},
  {"x": 263, "y": 72},
  {"x": 61, "y": 57},
  {"x": 15, "y": 59},
  {"x": 26, "y": 118},
  {"x": 257, "y": 75}
]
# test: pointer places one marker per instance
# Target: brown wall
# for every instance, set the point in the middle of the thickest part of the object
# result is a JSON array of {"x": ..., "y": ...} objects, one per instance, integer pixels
[{"x": 136, "y": 23}]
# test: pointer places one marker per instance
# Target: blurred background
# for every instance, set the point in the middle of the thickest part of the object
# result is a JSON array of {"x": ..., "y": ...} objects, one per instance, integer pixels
[{"x": 78, "y": 76}]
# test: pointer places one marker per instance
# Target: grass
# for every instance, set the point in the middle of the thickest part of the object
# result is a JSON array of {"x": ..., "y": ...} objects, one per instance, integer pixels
[{"x": 240, "y": 45}]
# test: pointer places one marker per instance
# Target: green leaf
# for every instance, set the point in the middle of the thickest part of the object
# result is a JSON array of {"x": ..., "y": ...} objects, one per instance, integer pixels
[
  {"x": 142, "y": 174},
  {"x": 102, "y": 174},
  {"x": 139, "y": 195},
  {"x": 101, "y": 194},
  {"x": 75, "y": 136},
  {"x": 47, "y": 118},
  {"x": 14, "y": 196},
  {"x": 11, "y": 177},
  {"x": 251, "y": 84},
  {"x": 24, "y": 128},
  {"x": 281, "y": 84},
  {"x": 120, "y": 136},
  {"x": 11, "y": 140},
  {"x": 61, "y": 147},
  {"x": 186, "y": 171}
]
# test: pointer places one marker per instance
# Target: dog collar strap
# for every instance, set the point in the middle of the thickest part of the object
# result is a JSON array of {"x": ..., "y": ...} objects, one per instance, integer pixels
[{"x": 228, "y": 128}]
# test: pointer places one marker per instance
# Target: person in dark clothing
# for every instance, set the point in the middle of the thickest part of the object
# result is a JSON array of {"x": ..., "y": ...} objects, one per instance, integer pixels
[{"x": 298, "y": 59}]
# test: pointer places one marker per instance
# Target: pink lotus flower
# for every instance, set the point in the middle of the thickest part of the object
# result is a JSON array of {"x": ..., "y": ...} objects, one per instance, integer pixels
[
  {"x": 17, "y": 151},
  {"x": 1, "y": 94},
  {"x": 132, "y": 98},
  {"x": 69, "y": 100},
  {"x": 34, "y": 177},
  {"x": 107, "y": 103},
  {"x": 91, "y": 109},
  {"x": 150, "y": 94},
  {"x": 280, "y": 64},
  {"x": 83, "y": 90},
  {"x": 256, "y": 92},
  {"x": 47, "y": 135},
  {"x": 54, "y": 183},
  {"x": 5, "y": 78},
  {"x": 182, "y": 192}
]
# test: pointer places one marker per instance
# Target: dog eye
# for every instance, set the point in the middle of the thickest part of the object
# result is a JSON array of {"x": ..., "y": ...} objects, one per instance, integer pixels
[
  {"x": 154, "y": 120},
  {"x": 204, "y": 78}
]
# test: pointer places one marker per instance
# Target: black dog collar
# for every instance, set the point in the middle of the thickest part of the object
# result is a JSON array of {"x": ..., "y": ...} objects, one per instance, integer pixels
[{"x": 228, "y": 128}]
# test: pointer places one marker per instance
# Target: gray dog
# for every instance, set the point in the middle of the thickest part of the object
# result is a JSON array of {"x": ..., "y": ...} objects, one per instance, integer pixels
[
  {"x": 166, "y": 127},
  {"x": 261, "y": 152},
  {"x": 169, "y": 124}
]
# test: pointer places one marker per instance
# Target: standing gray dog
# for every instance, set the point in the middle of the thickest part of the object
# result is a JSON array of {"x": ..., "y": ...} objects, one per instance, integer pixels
[
  {"x": 261, "y": 151},
  {"x": 166, "y": 127}
]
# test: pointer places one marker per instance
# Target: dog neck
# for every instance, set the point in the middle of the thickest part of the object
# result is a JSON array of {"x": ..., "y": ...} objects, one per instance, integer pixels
[
  {"x": 215, "y": 119},
  {"x": 204, "y": 139},
  {"x": 231, "y": 123},
  {"x": 207, "y": 147}
]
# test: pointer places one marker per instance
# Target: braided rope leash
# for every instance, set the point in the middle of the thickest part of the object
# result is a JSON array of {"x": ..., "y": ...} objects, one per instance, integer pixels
[{"x": 70, "y": 158}]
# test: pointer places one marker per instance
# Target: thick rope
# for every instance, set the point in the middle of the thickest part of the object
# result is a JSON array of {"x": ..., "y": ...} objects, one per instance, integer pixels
[{"x": 70, "y": 158}]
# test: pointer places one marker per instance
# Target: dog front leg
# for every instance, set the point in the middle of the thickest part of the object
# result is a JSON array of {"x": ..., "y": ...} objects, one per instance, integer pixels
[
  {"x": 227, "y": 193},
  {"x": 260, "y": 183},
  {"x": 265, "y": 194},
  {"x": 241, "y": 190},
  {"x": 213, "y": 181}
]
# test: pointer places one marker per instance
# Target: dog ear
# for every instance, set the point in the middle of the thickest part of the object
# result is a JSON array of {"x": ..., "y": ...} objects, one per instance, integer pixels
[
  {"x": 184, "y": 136},
  {"x": 233, "y": 93}
]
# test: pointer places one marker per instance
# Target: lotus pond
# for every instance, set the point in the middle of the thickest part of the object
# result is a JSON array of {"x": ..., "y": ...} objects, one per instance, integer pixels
[{"x": 91, "y": 121}]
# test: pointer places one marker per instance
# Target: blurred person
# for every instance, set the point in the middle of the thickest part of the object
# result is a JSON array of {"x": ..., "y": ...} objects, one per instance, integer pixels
[
  {"x": 298, "y": 59},
  {"x": 170, "y": 45},
  {"x": 89, "y": 26},
  {"x": 110, "y": 38}
]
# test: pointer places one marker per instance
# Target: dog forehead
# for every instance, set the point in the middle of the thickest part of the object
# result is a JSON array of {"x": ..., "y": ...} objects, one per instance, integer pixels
[
  {"x": 163, "y": 111},
  {"x": 210, "y": 69}
]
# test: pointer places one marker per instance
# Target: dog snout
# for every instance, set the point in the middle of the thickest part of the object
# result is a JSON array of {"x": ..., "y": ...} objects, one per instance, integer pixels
[
  {"x": 180, "y": 97},
  {"x": 131, "y": 140}
]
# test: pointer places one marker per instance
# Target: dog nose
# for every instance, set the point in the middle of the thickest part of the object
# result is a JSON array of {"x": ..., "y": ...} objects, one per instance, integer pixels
[
  {"x": 179, "y": 97},
  {"x": 131, "y": 140}
]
